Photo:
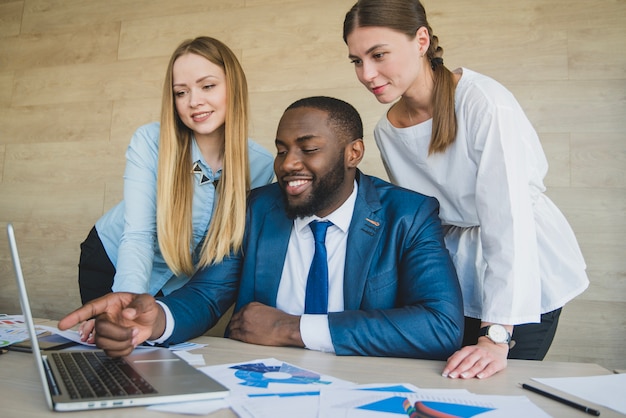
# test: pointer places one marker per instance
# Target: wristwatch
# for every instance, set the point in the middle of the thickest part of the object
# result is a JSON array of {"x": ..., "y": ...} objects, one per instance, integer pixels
[{"x": 496, "y": 333}]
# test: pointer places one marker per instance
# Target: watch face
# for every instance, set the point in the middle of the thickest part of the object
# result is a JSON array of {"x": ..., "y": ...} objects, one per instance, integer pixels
[{"x": 498, "y": 334}]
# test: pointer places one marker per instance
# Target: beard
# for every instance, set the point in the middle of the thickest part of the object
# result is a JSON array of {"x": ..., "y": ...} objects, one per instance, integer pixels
[{"x": 323, "y": 193}]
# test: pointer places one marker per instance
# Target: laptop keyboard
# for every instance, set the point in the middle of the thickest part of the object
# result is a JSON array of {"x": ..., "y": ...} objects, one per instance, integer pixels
[{"x": 95, "y": 375}]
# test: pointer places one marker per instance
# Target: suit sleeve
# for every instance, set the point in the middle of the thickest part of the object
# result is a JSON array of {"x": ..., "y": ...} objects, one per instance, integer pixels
[
  {"x": 198, "y": 305},
  {"x": 416, "y": 311}
]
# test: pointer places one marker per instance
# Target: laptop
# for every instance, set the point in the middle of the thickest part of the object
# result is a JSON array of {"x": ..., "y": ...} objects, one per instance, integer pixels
[{"x": 85, "y": 378}]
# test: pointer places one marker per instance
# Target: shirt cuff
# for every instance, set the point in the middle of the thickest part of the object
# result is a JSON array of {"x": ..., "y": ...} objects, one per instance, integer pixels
[
  {"x": 169, "y": 325},
  {"x": 129, "y": 287},
  {"x": 315, "y": 333}
]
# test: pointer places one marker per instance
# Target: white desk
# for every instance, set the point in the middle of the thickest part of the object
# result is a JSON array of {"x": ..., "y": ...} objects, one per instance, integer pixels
[{"x": 22, "y": 396}]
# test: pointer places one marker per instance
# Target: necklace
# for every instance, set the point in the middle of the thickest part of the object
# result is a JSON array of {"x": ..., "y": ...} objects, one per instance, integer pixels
[
  {"x": 408, "y": 112},
  {"x": 420, "y": 115}
]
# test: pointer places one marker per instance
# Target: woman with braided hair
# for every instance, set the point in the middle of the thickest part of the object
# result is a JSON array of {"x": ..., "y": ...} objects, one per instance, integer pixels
[{"x": 463, "y": 138}]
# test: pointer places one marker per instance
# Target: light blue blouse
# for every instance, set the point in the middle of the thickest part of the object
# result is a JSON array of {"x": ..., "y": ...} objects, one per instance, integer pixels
[{"x": 128, "y": 230}]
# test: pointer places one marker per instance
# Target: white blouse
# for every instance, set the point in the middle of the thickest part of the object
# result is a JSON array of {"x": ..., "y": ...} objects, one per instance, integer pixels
[{"x": 515, "y": 253}]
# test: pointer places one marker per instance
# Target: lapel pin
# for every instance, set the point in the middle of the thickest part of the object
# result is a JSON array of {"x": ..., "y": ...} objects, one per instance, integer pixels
[{"x": 372, "y": 222}]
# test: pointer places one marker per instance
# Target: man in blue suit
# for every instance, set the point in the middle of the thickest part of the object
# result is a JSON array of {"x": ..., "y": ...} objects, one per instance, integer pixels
[{"x": 391, "y": 287}]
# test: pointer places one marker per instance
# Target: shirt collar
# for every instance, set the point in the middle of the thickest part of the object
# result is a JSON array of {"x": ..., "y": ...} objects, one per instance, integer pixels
[
  {"x": 341, "y": 217},
  {"x": 197, "y": 157}
]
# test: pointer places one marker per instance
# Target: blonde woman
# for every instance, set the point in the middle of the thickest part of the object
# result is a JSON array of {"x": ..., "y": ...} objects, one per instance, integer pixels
[{"x": 185, "y": 183}]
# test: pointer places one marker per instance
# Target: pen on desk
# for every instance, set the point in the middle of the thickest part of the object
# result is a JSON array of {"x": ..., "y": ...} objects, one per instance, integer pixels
[{"x": 562, "y": 400}]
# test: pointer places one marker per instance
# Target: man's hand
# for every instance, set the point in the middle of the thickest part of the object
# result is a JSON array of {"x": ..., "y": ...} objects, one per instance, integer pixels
[
  {"x": 122, "y": 321},
  {"x": 260, "y": 324},
  {"x": 481, "y": 360}
]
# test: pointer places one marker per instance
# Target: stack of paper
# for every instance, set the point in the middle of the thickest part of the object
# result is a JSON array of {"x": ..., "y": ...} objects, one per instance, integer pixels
[
  {"x": 12, "y": 329},
  {"x": 270, "y": 388},
  {"x": 384, "y": 401}
]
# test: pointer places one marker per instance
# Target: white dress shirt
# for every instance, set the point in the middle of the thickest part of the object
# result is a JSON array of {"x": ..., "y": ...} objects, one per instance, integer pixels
[{"x": 292, "y": 289}]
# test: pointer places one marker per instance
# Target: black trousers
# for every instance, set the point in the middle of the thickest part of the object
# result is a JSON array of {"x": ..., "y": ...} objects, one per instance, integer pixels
[
  {"x": 95, "y": 269},
  {"x": 532, "y": 341}
]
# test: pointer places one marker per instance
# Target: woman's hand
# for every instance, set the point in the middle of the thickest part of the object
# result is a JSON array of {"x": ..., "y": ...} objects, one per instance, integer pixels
[
  {"x": 87, "y": 331},
  {"x": 481, "y": 360}
]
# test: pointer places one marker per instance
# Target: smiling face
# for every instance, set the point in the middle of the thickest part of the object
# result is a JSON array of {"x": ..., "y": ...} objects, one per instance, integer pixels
[
  {"x": 387, "y": 62},
  {"x": 314, "y": 167},
  {"x": 199, "y": 88}
]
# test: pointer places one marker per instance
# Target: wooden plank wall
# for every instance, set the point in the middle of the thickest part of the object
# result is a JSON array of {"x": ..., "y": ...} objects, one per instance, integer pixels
[{"x": 77, "y": 77}]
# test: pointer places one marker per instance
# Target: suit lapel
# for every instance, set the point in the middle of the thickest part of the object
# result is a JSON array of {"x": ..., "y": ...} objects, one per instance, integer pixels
[{"x": 362, "y": 242}]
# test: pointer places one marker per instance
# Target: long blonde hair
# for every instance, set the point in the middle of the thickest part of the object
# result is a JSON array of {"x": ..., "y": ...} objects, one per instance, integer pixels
[
  {"x": 407, "y": 16},
  {"x": 174, "y": 178}
]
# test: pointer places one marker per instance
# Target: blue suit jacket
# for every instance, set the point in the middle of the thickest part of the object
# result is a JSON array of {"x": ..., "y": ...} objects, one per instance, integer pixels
[{"x": 401, "y": 293}]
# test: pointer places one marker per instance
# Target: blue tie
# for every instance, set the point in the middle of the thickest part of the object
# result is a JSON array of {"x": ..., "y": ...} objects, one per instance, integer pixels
[{"x": 316, "y": 301}]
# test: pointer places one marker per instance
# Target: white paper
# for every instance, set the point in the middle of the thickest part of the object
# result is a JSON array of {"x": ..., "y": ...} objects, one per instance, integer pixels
[
  {"x": 606, "y": 390},
  {"x": 363, "y": 402},
  {"x": 265, "y": 388},
  {"x": 12, "y": 329},
  {"x": 275, "y": 406},
  {"x": 186, "y": 346},
  {"x": 73, "y": 335},
  {"x": 193, "y": 359},
  {"x": 68, "y": 334}
]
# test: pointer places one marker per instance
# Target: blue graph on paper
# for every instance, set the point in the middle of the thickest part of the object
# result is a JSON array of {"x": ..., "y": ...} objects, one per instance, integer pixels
[
  {"x": 261, "y": 375},
  {"x": 427, "y": 408}
]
